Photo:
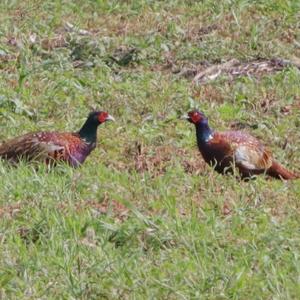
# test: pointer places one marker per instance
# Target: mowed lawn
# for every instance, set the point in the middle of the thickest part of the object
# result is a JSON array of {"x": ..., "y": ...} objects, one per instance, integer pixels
[{"x": 144, "y": 217}]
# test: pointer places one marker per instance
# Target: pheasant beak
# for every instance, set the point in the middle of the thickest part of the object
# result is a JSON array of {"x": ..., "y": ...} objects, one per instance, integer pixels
[
  {"x": 110, "y": 118},
  {"x": 185, "y": 117}
]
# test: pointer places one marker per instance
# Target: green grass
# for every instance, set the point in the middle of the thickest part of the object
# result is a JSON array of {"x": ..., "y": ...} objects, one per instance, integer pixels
[{"x": 160, "y": 225}]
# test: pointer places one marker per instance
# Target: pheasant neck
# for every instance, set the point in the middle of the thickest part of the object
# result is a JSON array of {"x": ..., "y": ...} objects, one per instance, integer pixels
[
  {"x": 203, "y": 132},
  {"x": 88, "y": 132}
]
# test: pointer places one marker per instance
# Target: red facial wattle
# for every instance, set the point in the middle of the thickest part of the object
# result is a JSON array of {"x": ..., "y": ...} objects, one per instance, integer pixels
[
  {"x": 195, "y": 117},
  {"x": 102, "y": 117}
]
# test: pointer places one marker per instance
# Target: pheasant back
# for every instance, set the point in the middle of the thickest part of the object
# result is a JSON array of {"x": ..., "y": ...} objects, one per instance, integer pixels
[
  {"x": 240, "y": 149},
  {"x": 48, "y": 147}
]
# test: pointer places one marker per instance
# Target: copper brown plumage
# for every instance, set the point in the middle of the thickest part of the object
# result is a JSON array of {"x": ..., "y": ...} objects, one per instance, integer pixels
[
  {"x": 229, "y": 149},
  {"x": 51, "y": 147}
]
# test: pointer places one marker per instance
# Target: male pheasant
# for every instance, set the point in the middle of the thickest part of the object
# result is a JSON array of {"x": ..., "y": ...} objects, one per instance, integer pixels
[
  {"x": 224, "y": 150},
  {"x": 50, "y": 147}
]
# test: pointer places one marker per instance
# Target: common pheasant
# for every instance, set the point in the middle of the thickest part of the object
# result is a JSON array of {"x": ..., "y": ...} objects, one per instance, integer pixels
[
  {"x": 229, "y": 149},
  {"x": 51, "y": 147}
]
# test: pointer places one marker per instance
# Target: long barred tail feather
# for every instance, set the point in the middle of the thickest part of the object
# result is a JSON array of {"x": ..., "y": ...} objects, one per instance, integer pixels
[{"x": 280, "y": 172}]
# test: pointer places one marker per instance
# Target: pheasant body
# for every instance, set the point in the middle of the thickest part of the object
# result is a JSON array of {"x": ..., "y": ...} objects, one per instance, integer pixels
[
  {"x": 226, "y": 150},
  {"x": 51, "y": 147}
]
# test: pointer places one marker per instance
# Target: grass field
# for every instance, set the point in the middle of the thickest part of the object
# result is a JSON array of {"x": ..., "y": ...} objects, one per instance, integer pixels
[{"x": 144, "y": 217}]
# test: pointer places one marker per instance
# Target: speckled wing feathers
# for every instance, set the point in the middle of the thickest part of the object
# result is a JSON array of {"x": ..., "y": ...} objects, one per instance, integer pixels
[
  {"x": 246, "y": 151},
  {"x": 44, "y": 145},
  {"x": 23, "y": 146}
]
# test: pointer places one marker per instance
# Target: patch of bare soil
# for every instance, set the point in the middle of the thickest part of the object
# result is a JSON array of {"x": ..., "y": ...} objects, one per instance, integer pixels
[
  {"x": 196, "y": 33},
  {"x": 203, "y": 73},
  {"x": 9, "y": 211},
  {"x": 156, "y": 160},
  {"x": 112, "y": 207},
  {"x": 288, "y": 109}
]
